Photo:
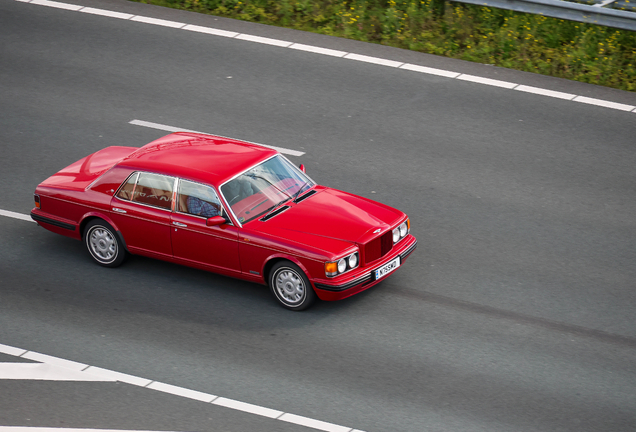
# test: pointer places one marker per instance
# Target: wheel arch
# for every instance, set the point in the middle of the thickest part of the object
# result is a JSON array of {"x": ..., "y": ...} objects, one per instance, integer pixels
[
  {"x": 93, "y": 216},
  {"x": 274, "y": 259}
]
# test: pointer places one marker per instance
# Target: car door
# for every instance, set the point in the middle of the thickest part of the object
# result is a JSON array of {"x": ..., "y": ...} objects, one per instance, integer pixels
[
  {"x": 193, "y": 242},
  {"x": 141, "y": 210}
]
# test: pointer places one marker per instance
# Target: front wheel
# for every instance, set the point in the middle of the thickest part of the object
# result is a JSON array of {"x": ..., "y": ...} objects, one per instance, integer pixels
[
  {"x": 290, "y": 286},
  {"x": 103, "y": 244}
]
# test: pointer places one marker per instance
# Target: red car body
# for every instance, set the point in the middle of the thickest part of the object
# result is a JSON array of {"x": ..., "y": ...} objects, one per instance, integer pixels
[{"x": 314, "y": 231}]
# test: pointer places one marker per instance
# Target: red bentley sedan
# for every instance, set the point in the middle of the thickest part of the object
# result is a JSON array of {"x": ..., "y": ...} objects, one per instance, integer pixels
[{"x": 229, "y": 207}]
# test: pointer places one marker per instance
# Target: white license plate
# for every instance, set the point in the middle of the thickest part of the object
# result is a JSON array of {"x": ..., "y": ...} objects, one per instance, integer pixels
[{"x": 387, "y": 268}]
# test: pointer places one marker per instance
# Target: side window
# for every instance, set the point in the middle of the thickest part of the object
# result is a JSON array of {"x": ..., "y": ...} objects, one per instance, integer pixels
[
  {"x": 147, "y": 188},
  {"x": 198, "y": 199},
  {"x": 154, "y": 189}
]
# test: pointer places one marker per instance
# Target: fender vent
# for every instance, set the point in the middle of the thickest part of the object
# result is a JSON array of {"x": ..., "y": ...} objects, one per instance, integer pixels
[{"x": 274, "y": 213}]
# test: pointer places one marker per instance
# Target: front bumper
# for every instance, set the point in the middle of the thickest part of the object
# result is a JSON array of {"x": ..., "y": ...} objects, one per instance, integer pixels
[{"x": 363, "y": 278}]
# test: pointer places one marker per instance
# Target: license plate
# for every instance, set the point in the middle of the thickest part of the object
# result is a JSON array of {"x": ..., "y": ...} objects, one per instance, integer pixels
[{"x": 387, "y": 268}]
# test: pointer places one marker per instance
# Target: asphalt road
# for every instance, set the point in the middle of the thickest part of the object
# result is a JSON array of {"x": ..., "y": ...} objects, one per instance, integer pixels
[{"x": 516, "y": 312}]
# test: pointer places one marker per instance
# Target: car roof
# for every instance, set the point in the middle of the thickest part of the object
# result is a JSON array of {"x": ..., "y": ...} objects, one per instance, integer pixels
[{"x": 199, "y": 157}]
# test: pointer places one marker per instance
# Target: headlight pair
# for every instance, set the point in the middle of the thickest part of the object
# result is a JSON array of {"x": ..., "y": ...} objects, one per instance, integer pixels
[
  {"x": 400, "y": 232},
  {"x": 334, "y": 268}
]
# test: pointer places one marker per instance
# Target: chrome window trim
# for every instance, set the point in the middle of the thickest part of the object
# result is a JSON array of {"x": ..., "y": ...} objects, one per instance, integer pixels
[
  {"x": 132, "y": 194},
  {"x": 134, "y": 173},
  {"x": 174, "y": 194}
]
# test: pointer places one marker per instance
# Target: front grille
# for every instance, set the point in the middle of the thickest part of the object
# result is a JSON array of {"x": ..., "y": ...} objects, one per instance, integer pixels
[{"x": 378, "y": 247}]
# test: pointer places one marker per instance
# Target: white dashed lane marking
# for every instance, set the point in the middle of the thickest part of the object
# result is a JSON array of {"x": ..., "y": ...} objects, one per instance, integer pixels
[
  {"x": 15, "y": 215},
  {"x": 336, "y": 53},
  {"x": 176, "y": 129},
  {"x": 58, "y": 369}
]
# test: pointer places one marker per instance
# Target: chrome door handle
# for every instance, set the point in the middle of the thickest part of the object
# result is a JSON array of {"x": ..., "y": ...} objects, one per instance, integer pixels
[
  {"x": 118, "y": 210},
  {"x": 179, "y": 224}
]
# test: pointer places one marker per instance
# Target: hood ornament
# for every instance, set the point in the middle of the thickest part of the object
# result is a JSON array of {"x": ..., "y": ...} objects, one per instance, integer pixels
[{"x": 377, "y": 231}]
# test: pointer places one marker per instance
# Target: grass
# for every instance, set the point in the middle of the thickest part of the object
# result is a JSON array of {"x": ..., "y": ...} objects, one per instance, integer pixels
[{"x": 583, "y": 52}]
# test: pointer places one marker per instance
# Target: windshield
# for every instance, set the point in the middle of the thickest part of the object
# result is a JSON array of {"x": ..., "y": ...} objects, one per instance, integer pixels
[{"x": 264, "y": 187}]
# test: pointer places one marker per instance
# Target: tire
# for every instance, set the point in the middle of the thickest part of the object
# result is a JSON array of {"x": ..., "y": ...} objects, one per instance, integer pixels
[
  {"x": 103, "y": 244},
  {"x": 290, "y": 286}
]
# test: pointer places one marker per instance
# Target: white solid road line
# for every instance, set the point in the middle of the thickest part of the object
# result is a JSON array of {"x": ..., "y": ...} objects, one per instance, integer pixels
[
  {"x": 604, "y": 103},
  {"x": 487, "y": 81},
  {"x": 551, "y": 93},
  {"x": 157, "y": 21},
  {"x": 45, "y": 372},
  {"x": 176, "y": 129},
  {"x": 212, "y": 31},
  {"x": 264, "y": 40},
  {"x": 180, "y": 391},
  {"x": 58, "y": 369},
  {"x": 342, "y": 54},
  {"x": 55, "y": 4},
  {"x": 430, "y": 71},
  {"x": 374, "y": 60},
  {"x": 104, "y": 12},
  {"x": 317, "y": 50}
]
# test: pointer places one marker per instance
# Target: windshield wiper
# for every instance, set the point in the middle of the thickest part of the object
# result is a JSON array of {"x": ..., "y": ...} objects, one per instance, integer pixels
[
  {"x": 274, "y": 208},
  {"x": 299, "y": 191}
]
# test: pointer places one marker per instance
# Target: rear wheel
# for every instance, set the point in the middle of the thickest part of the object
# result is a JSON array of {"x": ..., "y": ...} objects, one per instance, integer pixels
[
  {"x": 103, "y": 244},
  {"x": 290, "y": 286}
]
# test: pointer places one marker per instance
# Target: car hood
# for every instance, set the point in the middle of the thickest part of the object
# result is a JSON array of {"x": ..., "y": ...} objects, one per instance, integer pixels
[{"x": 333, "y": 214}]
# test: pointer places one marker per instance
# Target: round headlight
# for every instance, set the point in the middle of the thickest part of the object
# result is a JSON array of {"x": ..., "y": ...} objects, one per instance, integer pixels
[
  {"x": 342, "y": 265},
  {"x": 396, "y": 235},
  {"x": 353, "y": 261},
  {"x": 403, "y": 229}
]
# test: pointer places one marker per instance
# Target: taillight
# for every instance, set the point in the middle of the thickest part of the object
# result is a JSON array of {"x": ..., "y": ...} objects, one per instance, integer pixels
[{"x": 36, "y": 197}]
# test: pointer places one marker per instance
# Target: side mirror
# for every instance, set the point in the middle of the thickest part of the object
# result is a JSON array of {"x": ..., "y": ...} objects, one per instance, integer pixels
[
  {"x": 215, "y": 221},
  {"x": 302, "y": 167}
]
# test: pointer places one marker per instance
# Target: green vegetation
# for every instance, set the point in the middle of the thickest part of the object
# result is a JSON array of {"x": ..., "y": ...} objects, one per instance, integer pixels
[{"x": 583, "y": 52}]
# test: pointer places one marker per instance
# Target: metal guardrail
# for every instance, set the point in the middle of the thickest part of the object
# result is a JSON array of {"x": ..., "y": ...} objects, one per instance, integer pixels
[{"x": 593, "y": 14}]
